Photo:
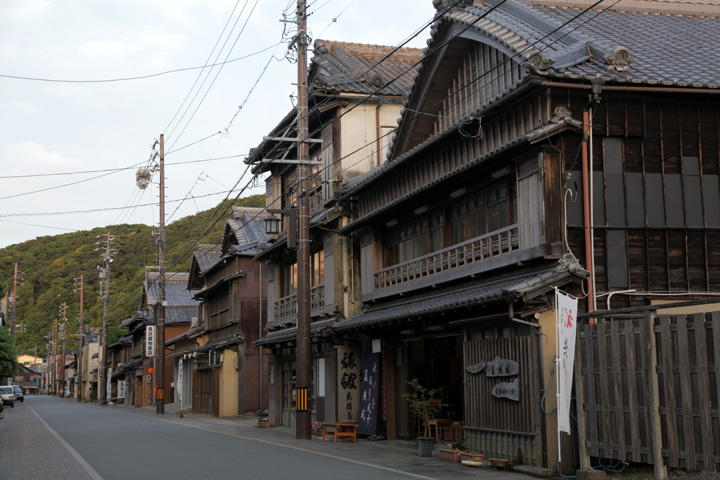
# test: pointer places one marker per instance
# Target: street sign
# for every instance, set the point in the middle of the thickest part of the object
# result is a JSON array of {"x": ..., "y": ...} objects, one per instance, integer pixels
[{"x": 150, "y": 341}]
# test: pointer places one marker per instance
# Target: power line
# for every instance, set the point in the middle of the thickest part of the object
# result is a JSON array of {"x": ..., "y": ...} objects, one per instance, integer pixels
[
  {"x": 216, "y": 76},
  {"x": 94, "y": 210},
  {"x": 140, "y": 77},
  {"x": 204, "y": 66},
  {"x": 131, "y": 167}
]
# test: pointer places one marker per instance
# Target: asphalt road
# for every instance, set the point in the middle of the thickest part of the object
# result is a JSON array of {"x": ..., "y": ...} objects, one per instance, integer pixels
[{"x": 52, "y": 438}]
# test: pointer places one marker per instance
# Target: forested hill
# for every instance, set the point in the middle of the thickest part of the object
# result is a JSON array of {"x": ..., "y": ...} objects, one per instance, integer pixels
[{"x": 49, "y": 265}]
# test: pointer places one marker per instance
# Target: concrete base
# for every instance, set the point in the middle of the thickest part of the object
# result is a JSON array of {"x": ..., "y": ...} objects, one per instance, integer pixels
[
  {"x": 591, "y": 475},
  {"x": 534, "y": 471}
]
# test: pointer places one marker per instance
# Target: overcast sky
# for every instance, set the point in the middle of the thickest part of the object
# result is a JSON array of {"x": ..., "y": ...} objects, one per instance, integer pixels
[{"x": 69, "y": 127}]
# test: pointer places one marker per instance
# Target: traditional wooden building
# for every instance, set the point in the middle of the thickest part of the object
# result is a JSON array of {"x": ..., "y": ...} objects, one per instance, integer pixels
[
  {"x": 523, "y": 115},
  {"x": 138, "y": 372},
  {"x": 355, "y": 97},
  {"x": 222, "y": 368}
]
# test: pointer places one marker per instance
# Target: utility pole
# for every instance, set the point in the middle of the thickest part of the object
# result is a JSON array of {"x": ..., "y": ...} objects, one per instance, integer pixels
[
  {"x": 14, "y": 301},
  {"x": 80, "y": 285},
  {"x": 63, "y": 335},
  {"x": 160, "y": 351},
  {"x": 142, "y": 179},
  {"x": 105, "y": 275},
  {"x": 304, "y": 369},
  {"x": 55, "y": 360}
]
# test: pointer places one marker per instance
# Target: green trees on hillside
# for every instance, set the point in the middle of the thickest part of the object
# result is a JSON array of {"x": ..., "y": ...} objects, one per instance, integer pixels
[
  {"x": 49, "y": 265},
  {"x": 8, "y": 356}
]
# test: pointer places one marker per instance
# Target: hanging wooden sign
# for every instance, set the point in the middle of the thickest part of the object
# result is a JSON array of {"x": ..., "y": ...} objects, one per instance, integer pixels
[{"x": 507, "y": 390}]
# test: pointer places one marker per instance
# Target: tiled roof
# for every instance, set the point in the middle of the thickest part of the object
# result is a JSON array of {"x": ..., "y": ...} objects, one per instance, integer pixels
[
  {"x": 248, "y": 227},
  {"x": 361, "y": 68},
  {"x": 439, "y": 303},
  {"x": 176, "y": 292},
  {"x": 662, "y": 50},
  {"x": 207, "y": 256},
  {"x": 678, "y": 47},
  {"x": 180, "y": 314}
]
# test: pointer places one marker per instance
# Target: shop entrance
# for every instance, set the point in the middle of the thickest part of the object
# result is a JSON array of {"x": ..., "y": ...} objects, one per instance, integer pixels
[{"x": 437, "y": 363}]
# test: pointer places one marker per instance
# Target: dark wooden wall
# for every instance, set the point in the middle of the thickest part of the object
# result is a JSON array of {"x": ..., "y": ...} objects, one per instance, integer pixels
[{"x": 656, "y": 181}]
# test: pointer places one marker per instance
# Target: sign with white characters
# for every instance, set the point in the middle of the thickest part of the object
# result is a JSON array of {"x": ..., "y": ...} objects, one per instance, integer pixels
[
  {"x": 150, "y": 341},
  {"x": 369, "y": 396},
  {"x": 348, "y": 384},
  {"x": 510, "y": 390},
  {"x": 566, "y": 311}
]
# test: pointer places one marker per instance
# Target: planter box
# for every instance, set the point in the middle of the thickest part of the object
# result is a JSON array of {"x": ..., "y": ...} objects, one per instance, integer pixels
[
  {"x": 475, "y": 457},
  {"x": 450, "y": 455},
  {"x": 263, "y": 425}
]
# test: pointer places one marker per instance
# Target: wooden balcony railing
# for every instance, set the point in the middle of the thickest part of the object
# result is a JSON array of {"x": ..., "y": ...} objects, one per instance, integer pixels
[
  {"x": 285, "y": 312},
  {"x": 476, "y": 250}
]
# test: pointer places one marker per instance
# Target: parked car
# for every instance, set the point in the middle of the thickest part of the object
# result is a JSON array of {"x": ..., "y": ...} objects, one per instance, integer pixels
[
  {"x": 8, "y": 395},
  {"x": 18, "y": 393}
]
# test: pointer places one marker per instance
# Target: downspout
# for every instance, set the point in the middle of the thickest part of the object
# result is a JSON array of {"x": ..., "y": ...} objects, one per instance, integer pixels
[
  {"x": 541, "y": 376},
  {"x": 260, "y": 333},
  {"x": 586, "y": 211},
  {"x": 378, "y": 134},
  {"x": 588, "y": 188}
]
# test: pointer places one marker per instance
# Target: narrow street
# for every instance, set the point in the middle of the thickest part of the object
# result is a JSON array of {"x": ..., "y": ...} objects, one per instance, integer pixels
[{"x": 51, "y": 438}]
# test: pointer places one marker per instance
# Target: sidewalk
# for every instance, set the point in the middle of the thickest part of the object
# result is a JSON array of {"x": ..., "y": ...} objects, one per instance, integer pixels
[{"x": 28, "y": 451}]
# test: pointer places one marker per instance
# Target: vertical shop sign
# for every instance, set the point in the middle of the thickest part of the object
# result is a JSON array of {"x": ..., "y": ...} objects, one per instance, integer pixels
[
  {"x": 348, "y": 384},
  {"x": 369, "y": 398}
]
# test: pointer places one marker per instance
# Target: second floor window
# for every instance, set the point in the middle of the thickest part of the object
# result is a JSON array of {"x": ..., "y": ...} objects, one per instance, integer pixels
[
  {"x": 290, "y": 274},
  {"x": 476, "y": 214}
]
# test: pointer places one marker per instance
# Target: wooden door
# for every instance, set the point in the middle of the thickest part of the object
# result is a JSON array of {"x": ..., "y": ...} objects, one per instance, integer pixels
[{"x": 205, "y": 391}]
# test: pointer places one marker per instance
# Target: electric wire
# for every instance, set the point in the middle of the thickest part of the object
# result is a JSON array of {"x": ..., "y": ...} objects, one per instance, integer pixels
[
  {"x": 131, "y": 167},
  {"x": 204, "y": 66},
  {"x": 105, "y": 209},
  {"x": 207, "y": 75},
  {"x": 139, "y": 77},
  {"x": 192, "y": 116}
]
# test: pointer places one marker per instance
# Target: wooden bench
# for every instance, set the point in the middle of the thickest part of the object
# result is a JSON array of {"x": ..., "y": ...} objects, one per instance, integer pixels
[{"x": 342, "y": 430}]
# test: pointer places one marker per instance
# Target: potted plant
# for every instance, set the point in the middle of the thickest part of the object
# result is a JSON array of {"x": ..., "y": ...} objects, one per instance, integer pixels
[
  {"x": 263, "y": 422},
  {"x": 317, "y": 428},
  {"x": 499, "y": 463},
  {"x": 450, "y": 454},
  {"x": 420, "y": 401}
]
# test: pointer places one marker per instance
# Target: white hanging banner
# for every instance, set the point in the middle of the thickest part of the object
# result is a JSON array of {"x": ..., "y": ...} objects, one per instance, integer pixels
[
  {"x": 179, "y": 388},
  {"x": 566, "y": 312}
]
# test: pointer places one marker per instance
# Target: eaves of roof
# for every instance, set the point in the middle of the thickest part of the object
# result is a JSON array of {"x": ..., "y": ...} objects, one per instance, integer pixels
[
  {"x": 290, "y": 334},
  {"x": 213, "y": 345},
  {"x": 523, "y": 286}
]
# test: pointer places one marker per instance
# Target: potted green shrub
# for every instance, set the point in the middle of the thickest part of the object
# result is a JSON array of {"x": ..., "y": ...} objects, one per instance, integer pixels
[{"x": 420, "y": 400}]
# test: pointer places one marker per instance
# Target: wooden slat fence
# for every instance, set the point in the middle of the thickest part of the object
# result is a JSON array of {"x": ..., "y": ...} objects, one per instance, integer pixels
[
  {"x": 623, "y": 405},
  {"x": 499, "y": 427}
]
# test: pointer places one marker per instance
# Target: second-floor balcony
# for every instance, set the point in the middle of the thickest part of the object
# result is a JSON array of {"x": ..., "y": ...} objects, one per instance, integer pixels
[
  {"x": 452, "y": 263},
  {"x": 285, "y": 309}
]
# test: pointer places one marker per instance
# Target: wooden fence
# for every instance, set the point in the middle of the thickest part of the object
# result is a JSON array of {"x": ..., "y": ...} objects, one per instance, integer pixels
[
  {"x": 649, "y": 389},
  {"x": 499, "y": 427}
]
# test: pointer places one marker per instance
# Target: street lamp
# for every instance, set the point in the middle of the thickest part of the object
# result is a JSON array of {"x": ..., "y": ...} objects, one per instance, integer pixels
[{"x": 272, "y": 225}]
